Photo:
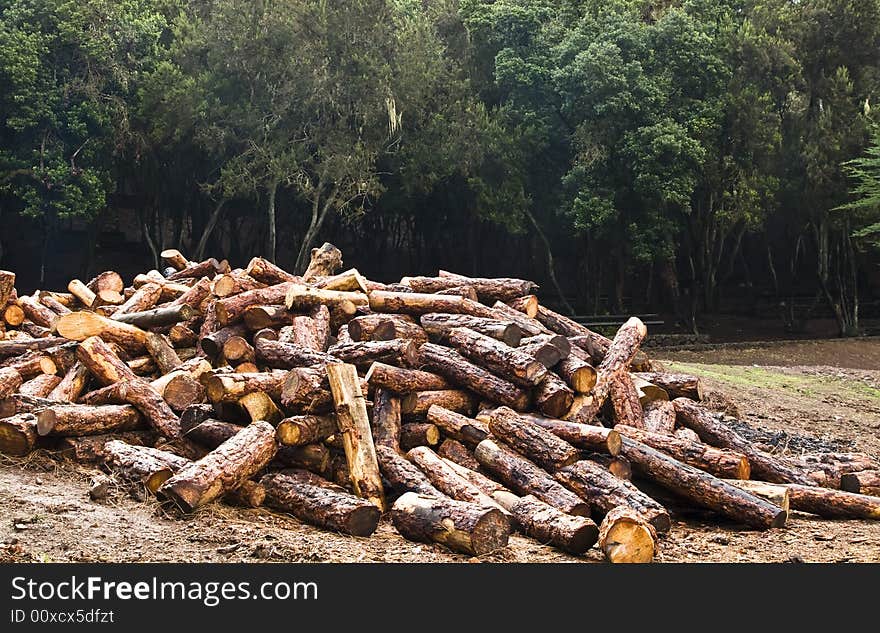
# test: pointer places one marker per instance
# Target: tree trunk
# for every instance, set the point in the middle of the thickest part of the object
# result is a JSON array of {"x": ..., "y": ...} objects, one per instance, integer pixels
[
  {"x": 18, "y": 434},
  {"x": 143, "y": 464},
  {"x": 659, "y": 417},
  {"x": 272, "y": 190},
  {"x": 402, "y": 474},
  {"x": 504, "y": 361},
  {"x": 676, "y": 385},
  {"x": 402, "y": 381},
  {"x": 305, "y": 429},
  {"x": 418, "y": 403},
  {"x": 415, "y": 434},
  {"x": 439, "y": 326},
  {"x": 625, "y": 536},
  {"x": 530, "y": 439},
  {"x": 457, "y": 426},
  {"x": 78, "y": 419}
]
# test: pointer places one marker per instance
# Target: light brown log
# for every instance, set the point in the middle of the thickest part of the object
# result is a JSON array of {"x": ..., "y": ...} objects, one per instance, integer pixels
[
  {"x": 319, "y": 502},
  {"x": 529, "y": 326},
  {"x": 235, "y": 283},
  {"x": 342, "y": 336},
  {"x": 543, "y": 522},
  {"x": 174, "y": 258},
  {"x": 833, "y": 504},
  {"x": 354, "y": 424},
  {"x": 719, "y": 462},
  {"x": 231, "y": 309},
  {"x": 324, "y": 262},
  {"x": 289, "y": 355},
  {"x": 505, "y": 361},
  {"x": 716, "y": 433},
  {"x": 13, "y": 315},
  {"x": 461, "y": 526},
  {"x": 530, "y": 439},
  {"x": 676, "y": 385},
  {"x": 372, "y": 327},
  {"x": 402, "y": 474},
  {"x": 455, "y": 368},
  {"x": 212, "y": 344},
  {"x": 866, "y": 482},
  {"x": 163, "y": 354},
  {"x": 236, "y": 350},
  {"x": 396, "y": 326},
  {"x": 545, "y": 353},
  {"x": 487, "y": 289},
  {"x": 223, "y": 469},
  {"x": 266, "y": 272},
  {"x": 559, "y": 342},
  {"x": 777, "y": 494},
  {"x": 312, "y": 457},
  {"x": 260, "y": 406},
  {"x": 18, "y": 434},
  {"x": 157, "y": 317},
  {"x": 386, "y": 419},
  {"x": 149, "y": 466},
  {"x": 418, "y": 434},
  {"x": 37, "y": 312},
  {"x": 350, "y": 279},
  {"x": 702, "y": 488},
  {"x": 89, "y": 449},
  {"x": 181, "y": 335},
  {"x": 7, "y": 286},
  {"x": 501, "y": 495},
  {"x": 553, "y": 397},
  {"x": 249, "y": 494},
  {"x": 438, "y": 326},
  {"x": 31, "y": 364},
  {"x": 577, "y": 373},
  {"x": 418, "y": 403},
  {"x": 196, "y": 297},
  {"x": 398, "y": 352},
  {"x": 259, "y": 317},
  {"x": 212, "y": 433},
  {"x": 305, "y": 429},
  {"x": 144, "y": 298},
  {"x": 457, "y": 426},
  {"x": 72, "y": 384},
  {"x": 231, "y": 387},
  {"x": 524, "y": 477},
  {"x": 418, "y": 303},
  {"x": 625, "y": 401},
  {"x": 447, "y": 480},
  {"x": 300, "y": 297},
  {"x": 78, "y": 326},
  {"x": 209, "y": 268},
  {"x": 659, "y": 417},
  {"x": 403, "y": 381},
  {"x": 648, "y": 392},
  {"x": 103, "y": 362},
  {"x": 77, "y": 419},
  {"x": 626, "y": 537},
  {"x": 53, "y": 304},
  {"x": 596, "y": 485},
  {"x": 828, "y": 469},
  {"x": 19, "y": 403},
  {"x": 306, "y": 390},
  {"x": 584, "y": 436},
  {"x": 457, "y": 452},
  {"x": 108, "y": 287},
  {"x": 16, "y": 347},
  {"x": 40, "y": 386},
  {"x": 179, "y": 389},
  {"x": 10, "y": 381}
]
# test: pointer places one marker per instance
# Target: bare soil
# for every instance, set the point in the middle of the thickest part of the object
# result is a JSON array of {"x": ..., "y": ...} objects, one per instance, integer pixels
[{"x": 800, "y": 393}]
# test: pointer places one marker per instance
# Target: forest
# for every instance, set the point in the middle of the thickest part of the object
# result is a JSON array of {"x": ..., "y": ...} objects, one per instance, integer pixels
[{"x": 685, "y": 157}]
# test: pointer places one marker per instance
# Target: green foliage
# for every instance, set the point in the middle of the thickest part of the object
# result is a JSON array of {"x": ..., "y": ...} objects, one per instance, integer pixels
[{"x": 865, "y": 174}]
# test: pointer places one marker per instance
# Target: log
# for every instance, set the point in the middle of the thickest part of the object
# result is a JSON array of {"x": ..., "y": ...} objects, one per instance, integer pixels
[
  {"x": 455, "y": 368},
  {"x": 266, "y": 272},
  {"x": 37, "y": 312},
  {"x": 143, "y": 299},
  {"x": 350, "y": 279},
  {"x": 626, "y": 537},
  {"x": 212, "y": 344},
  {"x": 543, "y": 352},
  {"x": 648, "y": 392},
  {"x": 300, "y": 298},
  {"x": 89, "y": 449},
  {"x": 315, "y": 458},
  {"x": 553, "y": 397},
  {"x": 459, "y": 427},
  {"x": 31, "y": 364},
  {"x": 162, "y": 353},
  {"x": 386, "y": 419},
  {"x": 833, "y": 504},
  {"x": 324, "y": 262},
  {"x": 179, "y": 389},
  {"x": 231, "y": 387},
  {"x": 7, "y": 286},
  {"x": 195, "y": 297},
  {"x": 372, "y": 327},
  {"x": 17, "y": 347},
  {"x": 676, "y": 385},
  {"x": 305, "y": 429},
  {"x": 40, "y": 386},
  {"x": 455, "y": 451},
  {"x": 418, "y": 403},
  {"x": 524, "y": 477},
  {"x": 53, "y": 304},
  {"x": 584, "y": 436},
  {"x": 306, "y": 390},
  {"x": 659, "y": 417},
  {"x": 529, "y": 326},
  {"x": 208, "y": 268},
  {"x": 402, "y": 474},
  {"x": 618, "y": 466},
  {"x": 418, "y": 434},
  {"x": 149, "y": 466},
  {"x": 157, "y": 317},
  {"x": 235, "y": 283},
  {"x": 687, "y": 434},
  {"x": 354, "y": 424},
  {"x": 259, "y": 317},
  {"x": 719, "y": 462},
  {"x": 702, "y": 488},
  {"x": 402, "y": 327},
  {"x": 505, "y": 361},
  {"x": 402, "y": 381},
  {"x": 438, "y": 326},
  {"x": 13, "y": 315},
  {"x": 543, "y": 522},
  {"x": 18, "y": 434},
  {"x": 866, "y": 482},
  {"x": 777, "y": 494},
  {"x": 488, "y": 290},
  {"x": 249, "y": 494},
  {"x": 10, "y": 381},
  {"x": 211, "y": 433},
  {"x": 319, "y": 502},
  {"x": 419, "y": 303},
  {"x": 19, "y": 403},
  {"x": 397, "y": 352},
  {"x": 260, "y": 406},
  {"x": 223, "y": 469},
  {"x": 577, "y": 374},
  {"x": 530, "y": 439},
  {"x": 461, "y": 526},
  {"x": 175, "y": 259},
  {"x": 182, "y": 336},
  {"x": 231, "y": 309},
  {"x": 72, "y": 384},
  {"x": 625, "y": 401},
  {"x": 501, "y": 495},
  {"x": 447, "y": 480},
  {"x": 289, "y": 355},
  {"x": 716, "y": 433},
  {"x": 108, "y": 287},
  {"x": 79, "y": 419},
  {"x": 78, "y": 326},
  {"x": 604, "y": 492},
  {"x": 310, "y": 331},
  {"x": 237, "y": 350}
]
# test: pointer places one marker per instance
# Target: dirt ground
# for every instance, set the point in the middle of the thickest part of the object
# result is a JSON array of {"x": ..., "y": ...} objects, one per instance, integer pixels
[{"x": 828, "y": 389}]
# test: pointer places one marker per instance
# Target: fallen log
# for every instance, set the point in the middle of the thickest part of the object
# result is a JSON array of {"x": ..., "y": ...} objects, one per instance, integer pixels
[
  {"x": 553, "y": 397},
  {"x": 402, "y": 474},
  {"x": 530, "y": 439},
  {"x": 157, "y": 317},
  {"x": 626, "y": 537},
  {"x": 89, "y": 449},
  {"x": 143, "y": 464},
  {"x": 439, "y": 325},
  {"x": 543, "y": 522},
  {"x": 354, "y": 424},
  {"x": 777, "y": 494},
  {"x": 833, "y": 504},
  {"x": 18, "y": 434},
  {"x": 415, "y": 434},
  {"x": 305, "y": 429},
  {"x": 445, "y": 479},
  {"x": 461, "y": 526},
  {"x": 397, "y": 351},
  {"x": 866, "y": 482},
  {"x": 584, "y": 436},
  {"x": 319, "y": 502},
  {"x": 420, "y": 402},
  {"x": 77, "y": 419},
  {"x": 457, "y": 426},
  {"x": 502, "y": 360},
  {"x": 676, "y": 385},
  {"x": 223, "y": 469},
  {"x": 419, "y": 303}
]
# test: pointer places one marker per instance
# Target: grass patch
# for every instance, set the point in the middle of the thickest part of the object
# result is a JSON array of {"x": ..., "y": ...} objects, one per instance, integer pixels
[{"x": 811, "y": 386}]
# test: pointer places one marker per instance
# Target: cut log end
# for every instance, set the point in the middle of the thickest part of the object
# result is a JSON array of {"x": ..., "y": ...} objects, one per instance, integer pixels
[{"x": 628, "y": 541}]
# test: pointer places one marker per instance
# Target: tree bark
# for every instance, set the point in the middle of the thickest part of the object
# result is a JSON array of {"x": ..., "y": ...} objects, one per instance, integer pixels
[
  {"x": 418, "y": 403},
  {"x": 626, "y": 537},
  {"x": 457, "y": 426},
  {"x": 676, "y": 385},
  {"x": 142, "y": 464},
  {"x": 659, "y": 417},
  {"x": 402, "y": 381},
  {"x": 79, "y": 419},
  {"x": 18, "y": 434},
  {"x": 415, "y": 434},
  {"x": 162, "y": 352},
  {"x": 305, "y": 429},
  {"x": 40, "y": 386},
  {"x": 231, "y": 309},
  {"x": 157, "y": 317},
  {"x": 445, "y": 479},
  {"x": 543, "y": 522},
  {"x": 833, "y": 504},
  {"x": 78, "y": 326},
  {"x": 553, "y": 397},
  {"x": 402, "y": 474},
  {"x": 418, "y": 303},
  {"x": 438, "y": 326},
  {"x": 530, "y": 439},
  {"x": 398, "y": 352},
  {"x": 453, "y": 450},
  {"x": 584, "y": 436},
  {"x": 10, "y": 381},
  {"x": 265, "y": 272},
  {"x": 502, "y": 360},
  {"x": 866, "y": 482},
  {"x": 386, "y": 419},
  {"x": 625, "y": 401}
]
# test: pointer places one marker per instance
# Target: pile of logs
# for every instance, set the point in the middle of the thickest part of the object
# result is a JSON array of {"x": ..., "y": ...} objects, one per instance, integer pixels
[{"x": 460, "y": 406}]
